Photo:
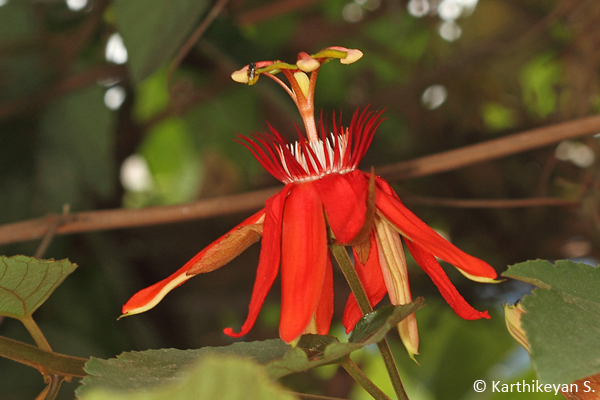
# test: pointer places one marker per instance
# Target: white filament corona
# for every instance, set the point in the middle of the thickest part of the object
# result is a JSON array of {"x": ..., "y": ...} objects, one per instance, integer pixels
[{"x": 322, "y": 165}]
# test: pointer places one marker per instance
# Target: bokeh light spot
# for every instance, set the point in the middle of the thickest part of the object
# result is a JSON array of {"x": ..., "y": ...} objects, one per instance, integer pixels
[
  {"x": 353, "y": 12},
  {"x": 449, "y": 31},
  {"x": 114, "y": 97},
  {"x": 115, "y": 49},
  {"x": 418, "y": 8},
  {"x": 434, "y": 96},
  {"x": 76, "y": 5},
  {"x": 135, "y": 174}
]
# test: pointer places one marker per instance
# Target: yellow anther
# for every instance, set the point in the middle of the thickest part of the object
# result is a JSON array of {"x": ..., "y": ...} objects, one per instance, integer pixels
[
  {"x": 241, "y": 75},
  {"x": 303, "y": 82}
]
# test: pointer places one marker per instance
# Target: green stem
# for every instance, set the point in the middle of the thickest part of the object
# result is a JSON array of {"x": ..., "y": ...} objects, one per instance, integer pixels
[
  {"x": 36, "y": 333},
  {"x": 46, "y": 362},
  {"x": 362, "y": 380},
  {"x": 343, "y": 259},
  {"x": 390, "y": 365},
  {"x": 53, "y": 387},
  {"x": 305, "y": 396}
]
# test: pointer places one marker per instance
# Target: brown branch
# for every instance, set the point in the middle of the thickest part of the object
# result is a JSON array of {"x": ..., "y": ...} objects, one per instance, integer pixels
[
  {"x": 196, "y": 35},
  {"x": 73, "y": 82},
  {"x": 491, "y": 150},
  {"x": 488, "y": 203},
  {"x": 51, "y": 232},
  {"x": 44, "y": 361},
  {"x": 272, "y": 10},
  {"x": 89, "y": 221},
  {"x": 125, "y": 218}
]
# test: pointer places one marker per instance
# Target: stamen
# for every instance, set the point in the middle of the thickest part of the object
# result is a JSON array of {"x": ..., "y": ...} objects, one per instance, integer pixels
[
  {"x": 303, "y": 82},
  {"x": 340, "y": 151},
  {"x": 317, "y": 158}
]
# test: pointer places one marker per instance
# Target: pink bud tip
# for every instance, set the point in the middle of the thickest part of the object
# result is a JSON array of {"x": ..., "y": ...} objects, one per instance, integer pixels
[
  {"x": 306, "y": 63},
  {"x": 352, "y": 55}
]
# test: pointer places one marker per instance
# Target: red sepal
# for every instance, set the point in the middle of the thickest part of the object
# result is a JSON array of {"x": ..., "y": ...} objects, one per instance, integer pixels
[
  {"x": 268, "y": 264},
  {"x": 325, "y": 307},
  {"x": 372, "y": 280},
  {"x": 303, "y": 260},
  {"x": 149, "y": 297},
  {"x": 345, "y": 199},
  {"x": 430, "y": 265},
  {"x": 413, "y": 229}
]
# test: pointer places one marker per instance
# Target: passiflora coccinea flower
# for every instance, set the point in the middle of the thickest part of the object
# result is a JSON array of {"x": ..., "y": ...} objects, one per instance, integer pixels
[{"x": 325, "y": 198}]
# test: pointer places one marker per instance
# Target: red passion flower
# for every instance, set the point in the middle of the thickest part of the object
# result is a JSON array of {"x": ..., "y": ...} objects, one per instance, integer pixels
[{"x": 325, "y": 198}]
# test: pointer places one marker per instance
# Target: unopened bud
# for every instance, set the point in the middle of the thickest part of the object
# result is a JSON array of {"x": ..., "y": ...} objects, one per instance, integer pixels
[
  {"x": 512, "y": 317},
  {"x": 241, "y": 75},
  {"x": 352, "y": 55},
  {"x": 306, "y": 63}
]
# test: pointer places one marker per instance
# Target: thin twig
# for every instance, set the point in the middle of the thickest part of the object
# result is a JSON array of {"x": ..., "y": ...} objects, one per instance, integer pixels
[
  {"x": 489, "y": 203},
  {"x": 491, "y": 149},
  {"x": 305, "y": 396},
  {"x": 363, "y": 380},
  {"x": 44, "y": 361},
  {"x": 272, "y": 10},
  {"x": 89, "y": 221},
  {"x": 53, "y": 386},
  {"x": 125, "y": 218},
  {"x": 196, "y": 35},
  {"x": 69, "y": 84},
  {"x": 58, "y": 220}
]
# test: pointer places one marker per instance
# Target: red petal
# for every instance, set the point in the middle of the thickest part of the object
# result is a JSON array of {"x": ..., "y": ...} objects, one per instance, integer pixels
[
  {"x": 345, "y": 199},
  {"x": 413, "y": 229},
  {"x": 430, "y": 265},
  {"x": 268, "y": 264},
  {"x": 372, "y": 279},
  {"x": 325, "y": 307},
  {"x": 303, "y": 260},
  {"x": 149, "y": 297}
]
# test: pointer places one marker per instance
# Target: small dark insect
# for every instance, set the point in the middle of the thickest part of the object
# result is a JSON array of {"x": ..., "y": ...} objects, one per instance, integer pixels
[{"x": 251, "y": 70}]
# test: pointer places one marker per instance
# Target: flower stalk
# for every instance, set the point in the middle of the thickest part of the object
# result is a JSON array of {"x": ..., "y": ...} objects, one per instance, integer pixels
[
  {"x": 363, "y": 380},
  {"x": 343, "y": 259}
]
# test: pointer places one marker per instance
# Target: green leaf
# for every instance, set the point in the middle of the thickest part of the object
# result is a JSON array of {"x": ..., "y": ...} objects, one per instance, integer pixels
[
  {"x": 26, "y": 282},
  {"x": 415, "y": 35},
  {"x": 173, "y": 161},
  {"x": 150, "y": 368},
  {"x": 497, "y": 117},
  {"x": 17, "y": 20},
  {"x": 22, "y": 70},
  {"x": 539, "y": 81},
  {"x": 152, "y": 96},
  {"x": 372, "y": 331},
  {"x": 154, "y": 30},
  {"x": 453, "y": 353},
  {"x": 76, "y": 149},
  {"x": 143, "y": 369},
  {"x": 213, "y": 377},
  {"x": 370, "y": 322},
  {"x": 562, "y": 318}
]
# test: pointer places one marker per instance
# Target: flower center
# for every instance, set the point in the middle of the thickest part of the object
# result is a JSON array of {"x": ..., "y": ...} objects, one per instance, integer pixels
[{"x": 315, "y": 158}]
